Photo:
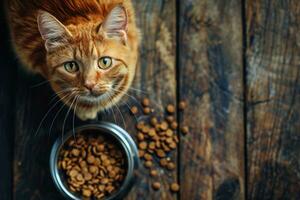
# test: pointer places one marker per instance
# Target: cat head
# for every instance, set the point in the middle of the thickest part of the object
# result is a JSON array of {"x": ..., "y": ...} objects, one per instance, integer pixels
[{"x": 92, "y": 64}]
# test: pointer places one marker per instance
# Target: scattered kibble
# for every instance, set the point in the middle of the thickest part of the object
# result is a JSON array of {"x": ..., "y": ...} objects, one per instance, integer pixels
[
  {"x": 153, "y": 173},
  {"x": 185, "y": 130},
  {"x": 143, "y": 145},
  {"x": 182, "y": 105},
  {"x": 174, "y": 187},
  {"x": 163, "y": 162},
  {"x": 93, "y": 166},
  {"x": 156, "y": 185},
  {"x": 148, "y": 164},
  {"x": 174, "y": 125},
  {"x": 134, "y": 110},
  {"x": 157, "y": 138},
  {"x": 146, "y": 102},
  {"x": 147, "y": 110},
  {"x": 170, "y": 109},
  {"x": 171, "y": 166},
  {"x": 153, "y": 121}
]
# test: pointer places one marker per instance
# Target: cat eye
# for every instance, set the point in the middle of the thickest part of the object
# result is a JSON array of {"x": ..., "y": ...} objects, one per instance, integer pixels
[
  {"x": 71, "y": 67},
  {"x": 105, "y": 62}
]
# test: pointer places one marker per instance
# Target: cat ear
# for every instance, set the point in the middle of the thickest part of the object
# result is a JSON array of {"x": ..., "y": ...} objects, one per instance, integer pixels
[
  {"x": 53, "y": 31},
  {"x": 115, "y": 24}
]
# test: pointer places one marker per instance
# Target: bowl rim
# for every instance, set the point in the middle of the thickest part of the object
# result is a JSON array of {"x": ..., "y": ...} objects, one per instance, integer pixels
[{"x": 119, "y": 134}]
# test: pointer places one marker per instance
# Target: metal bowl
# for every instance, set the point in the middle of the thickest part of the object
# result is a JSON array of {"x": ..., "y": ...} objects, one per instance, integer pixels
[{"x": 108, "y": 129}]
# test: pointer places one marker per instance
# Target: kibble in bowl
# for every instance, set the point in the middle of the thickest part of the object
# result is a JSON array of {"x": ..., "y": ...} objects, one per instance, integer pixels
[{"x": 98, "y": 163}]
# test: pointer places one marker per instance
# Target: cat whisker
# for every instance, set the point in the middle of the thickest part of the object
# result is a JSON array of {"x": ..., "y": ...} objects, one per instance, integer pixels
[
  {"x": 57, "y": 113},
  {"x": 67, "y": 114},
  {"x": 74, "y": 111},
  {"x": 112, "y": 108},
  {"x": 132, "y": 97},
  {"x": 153, "y": 102},
  {"x": 45, "y": 116},
  {"x": 129, "y": 110},
  {"x": 56, "y": 95},
  {"x": 121, "y": 116},
  {"x": 41, "y": 83}
]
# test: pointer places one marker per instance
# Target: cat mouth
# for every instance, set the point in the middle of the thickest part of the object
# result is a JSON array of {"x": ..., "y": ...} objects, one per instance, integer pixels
[{"x": 105, "y": 97}]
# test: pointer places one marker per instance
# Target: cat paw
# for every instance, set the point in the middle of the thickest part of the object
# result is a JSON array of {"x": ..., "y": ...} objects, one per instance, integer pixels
[{"x": 86, "y": 115}]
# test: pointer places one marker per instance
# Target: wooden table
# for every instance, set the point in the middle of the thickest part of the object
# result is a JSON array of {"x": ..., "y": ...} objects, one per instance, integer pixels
[{"x": 236, "y": 62}]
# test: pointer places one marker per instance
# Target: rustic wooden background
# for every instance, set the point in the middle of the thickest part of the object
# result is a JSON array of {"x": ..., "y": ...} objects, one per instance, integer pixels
[{"x": 236, "y": 62}]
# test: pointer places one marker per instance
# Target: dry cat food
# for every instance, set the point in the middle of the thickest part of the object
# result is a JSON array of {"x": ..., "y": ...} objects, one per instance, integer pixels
[
  {"x": 157, "y": 138},
  {"x": 94, "y": 166}
]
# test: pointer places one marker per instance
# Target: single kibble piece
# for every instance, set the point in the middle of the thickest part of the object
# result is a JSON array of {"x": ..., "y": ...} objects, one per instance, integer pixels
[
  {"x": 171, "y": 166},
  {"x": 160, "y": 153},
  {"x": 140, "y": 136},
  {"x": 153, "y": 121},
  {"x": 146, "y": 102},
  {"x": 153, "y": 173},
  {"x": 182, "y": 105},
  {"x": 163, "y": 162},
  {"x": 170, "y": 109},
  {"x": 148, "y": 164},
  {"x": 174, "y": 187},
  {"x": 147, "y": 110},
  {"x": 156, "y": 185},
  {"x": 86, "y": 193},
  {"x": 152, "y": 145},
  {"x": 152, "y": 132},
  {"x": 164, "y": 126},
  {"x": 73, "y": 173},
  {"x": 87, "y": 176},
  {"x": 93, "y": 169},
  {"x": 174, "y": 125},
  {"x": 148, "y": 157},
  {"x": 173, "y": 145},
  {"x": 100, "y": 147},
  {"x": 75, "y": 152},
  {"x": 185, "y": 130},
  {"x": 169, "y": 133},
  {"x": 143, "y": 145},
  {"x": 145, "y": 129},
  {"x": 141, "y": 153},
  {"x": 140, "y": 125},
  {"x": 91, "y": 159},
  {"x": 134, "y": 110}
]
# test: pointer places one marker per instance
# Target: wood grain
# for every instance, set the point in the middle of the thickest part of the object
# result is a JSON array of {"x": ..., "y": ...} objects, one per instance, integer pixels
[
  {"x": 211, "y": 80},
  {"x": 32, "y": 180},
  {"x": 155, "y": 77},
  {"x": 273, "y": 65},
  {"x": 156, "y": 80},
  {"x": 210, "y": 77}
]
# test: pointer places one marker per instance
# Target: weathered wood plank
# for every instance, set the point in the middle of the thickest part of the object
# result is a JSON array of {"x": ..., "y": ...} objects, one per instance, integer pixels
[
  {"x": 273, "y": 65},
  {"x": 211, "y": 80},
  {"x": 7, "y": 88},
  {"x": 32, "y": 178},
  {"x": 156, "y": 76}
]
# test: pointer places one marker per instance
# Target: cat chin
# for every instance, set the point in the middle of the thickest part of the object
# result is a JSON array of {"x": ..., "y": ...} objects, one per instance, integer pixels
[
  {"x": 88, "y": 110},
  {"x": 86, "y": 115}
]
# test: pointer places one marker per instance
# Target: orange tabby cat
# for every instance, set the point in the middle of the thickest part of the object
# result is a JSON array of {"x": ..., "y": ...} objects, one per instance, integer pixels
[{"x": 87, "y": 49}]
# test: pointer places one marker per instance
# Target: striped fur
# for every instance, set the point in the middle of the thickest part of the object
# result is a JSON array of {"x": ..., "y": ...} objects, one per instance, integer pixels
[{"x": 91, "y": 38}]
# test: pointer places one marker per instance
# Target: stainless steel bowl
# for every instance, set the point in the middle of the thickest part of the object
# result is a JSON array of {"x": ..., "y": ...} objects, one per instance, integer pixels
[{"x": 109, "y": 129}]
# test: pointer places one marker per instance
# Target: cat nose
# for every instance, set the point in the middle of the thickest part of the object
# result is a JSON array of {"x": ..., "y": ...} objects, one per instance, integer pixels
[{"x": 89, "y": 85}]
